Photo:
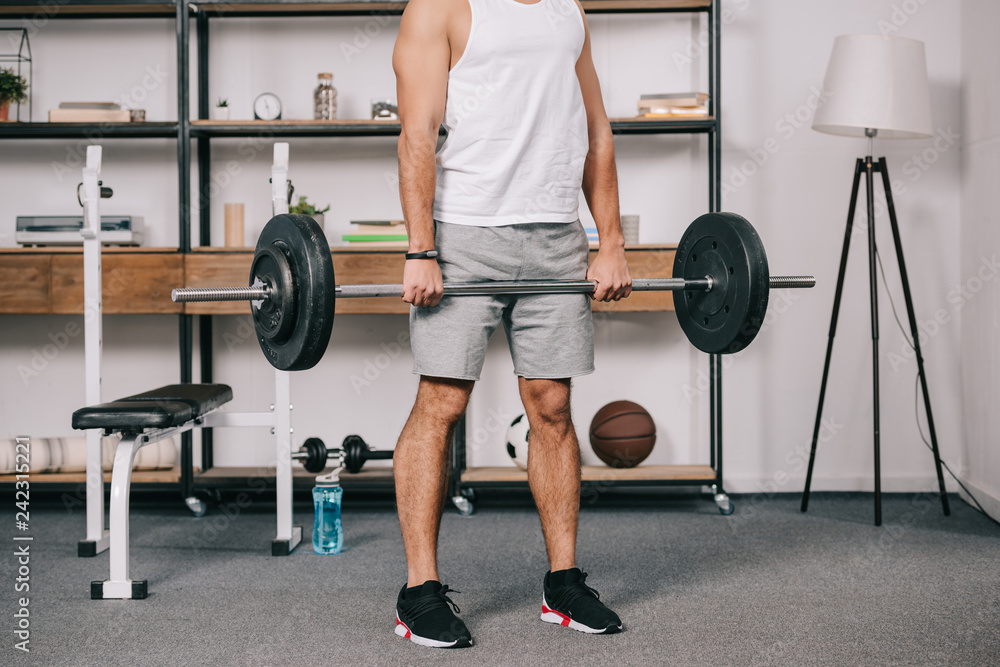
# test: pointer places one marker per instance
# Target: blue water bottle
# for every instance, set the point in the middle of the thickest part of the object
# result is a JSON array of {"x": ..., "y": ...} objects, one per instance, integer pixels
[{"x": 328, "y": 534}]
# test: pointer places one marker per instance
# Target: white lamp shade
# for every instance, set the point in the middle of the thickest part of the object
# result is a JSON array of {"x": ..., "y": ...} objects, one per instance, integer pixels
[{"x": 879, "y": 83}]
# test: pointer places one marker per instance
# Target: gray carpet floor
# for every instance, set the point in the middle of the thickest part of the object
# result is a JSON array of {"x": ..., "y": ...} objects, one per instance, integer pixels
[{"x": 767, "y": 586}]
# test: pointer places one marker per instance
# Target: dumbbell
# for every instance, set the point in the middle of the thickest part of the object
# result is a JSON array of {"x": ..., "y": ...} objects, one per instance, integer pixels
[{"x": 354, "y": 451}]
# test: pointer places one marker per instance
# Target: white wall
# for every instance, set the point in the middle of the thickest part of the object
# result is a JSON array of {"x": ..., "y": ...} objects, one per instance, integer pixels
[
  {"x": 980, "y": 248},
  {"x": 774, "y": 55}
]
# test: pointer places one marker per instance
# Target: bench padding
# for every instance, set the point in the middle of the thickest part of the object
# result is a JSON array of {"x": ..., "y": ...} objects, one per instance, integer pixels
[{"x": 169, "y": 406}]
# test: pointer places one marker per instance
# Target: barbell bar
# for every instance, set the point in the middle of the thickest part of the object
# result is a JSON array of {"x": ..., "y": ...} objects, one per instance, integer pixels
[
  {"x": 720, "y": 271},
  {"x": 377, "y": 290}
]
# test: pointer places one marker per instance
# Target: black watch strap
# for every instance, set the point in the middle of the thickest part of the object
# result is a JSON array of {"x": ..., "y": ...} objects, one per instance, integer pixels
[{"x": 423, "y": 254}]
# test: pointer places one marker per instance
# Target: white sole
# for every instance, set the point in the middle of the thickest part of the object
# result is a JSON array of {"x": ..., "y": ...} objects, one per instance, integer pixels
[
  {"x": 550, "y": 615},
  {"x": 403, "y": 631}
]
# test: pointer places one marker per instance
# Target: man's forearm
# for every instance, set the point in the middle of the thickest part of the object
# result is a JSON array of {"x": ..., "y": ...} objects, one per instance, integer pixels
[
  {"x": 600, "y": 188},
  {"x": 417, "y": 181}
]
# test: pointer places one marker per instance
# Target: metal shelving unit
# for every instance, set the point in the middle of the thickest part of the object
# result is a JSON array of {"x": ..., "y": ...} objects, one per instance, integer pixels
[
  {"x": 463, "y": 481},
  {"x": 126, "y": 9},
  {"x": 203, "y": 131}
]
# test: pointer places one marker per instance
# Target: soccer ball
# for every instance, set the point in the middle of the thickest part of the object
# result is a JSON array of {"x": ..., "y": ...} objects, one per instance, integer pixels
[{"x": 517, "y": 441}]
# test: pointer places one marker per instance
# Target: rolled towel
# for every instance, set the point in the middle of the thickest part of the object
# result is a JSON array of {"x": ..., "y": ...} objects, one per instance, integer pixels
[
  {"x": 168, "y": 453},
  {"x": 74, "y": 453},
  {"x": 6, "y": 457},
  {"x": 55, "y": 454}
]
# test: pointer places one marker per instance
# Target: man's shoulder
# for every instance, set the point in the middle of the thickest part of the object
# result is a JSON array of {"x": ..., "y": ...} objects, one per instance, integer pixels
[{"x": 442, "y": 9}]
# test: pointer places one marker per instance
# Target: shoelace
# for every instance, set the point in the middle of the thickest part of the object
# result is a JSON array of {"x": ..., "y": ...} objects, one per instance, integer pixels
[
  {"x": 570, "y": 592},
  {"x": 427, "y": 603}
]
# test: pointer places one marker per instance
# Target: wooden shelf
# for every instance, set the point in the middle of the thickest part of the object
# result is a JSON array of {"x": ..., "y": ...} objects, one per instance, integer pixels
[
  {"x": 151, "y": 130},
  {"x": 224, "y": 8},
  {"x": 218, "y": 478},
  {"x": 50, "y": 280},
  {"x": 376, "y": 128},
  {"x": 695, "y": 474},
  {"x": 295, "y": 128},
  {"x": 78, "y": 250},
  {"x": 639, "y": 125},
  {"x": 167, "y": 475},
  {"x": 630, "y": 6},
  {"x": 139, "y": 280},
  {"x": 159, "y": 8},
  {"x": 90, "y": 9},
  {"x": 249, "y": 477}
]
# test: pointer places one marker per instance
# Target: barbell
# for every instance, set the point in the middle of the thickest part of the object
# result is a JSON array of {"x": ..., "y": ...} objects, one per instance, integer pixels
[{"x": 719, "y": 266}]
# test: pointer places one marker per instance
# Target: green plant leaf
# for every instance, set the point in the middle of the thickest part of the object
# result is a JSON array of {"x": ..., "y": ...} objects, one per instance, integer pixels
[
  {"x": 303, "y": 207},
  {"x": 13, "y": 87}
]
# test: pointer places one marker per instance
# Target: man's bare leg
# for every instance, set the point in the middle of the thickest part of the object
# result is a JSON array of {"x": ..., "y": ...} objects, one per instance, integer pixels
[
  {"x": 420, "y": 467},
  {"x": 553, "y": 466}
]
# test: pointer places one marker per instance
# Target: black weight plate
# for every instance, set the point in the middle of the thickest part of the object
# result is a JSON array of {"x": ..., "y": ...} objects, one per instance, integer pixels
[
  {"x": 274, "y": 317},
  {"x": 355, "y": 449},
  {"x": 305, "y": 247},
  {"x": 726, "y": 247},
  {"x": 316, "y": 455}
]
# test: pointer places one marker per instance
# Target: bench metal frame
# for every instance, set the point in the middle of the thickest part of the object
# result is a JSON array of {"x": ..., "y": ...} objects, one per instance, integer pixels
[
  {"x": 98, "y": 538},
  {"x": 279, "y": 418},
  {"x": 119, "y": 586}
]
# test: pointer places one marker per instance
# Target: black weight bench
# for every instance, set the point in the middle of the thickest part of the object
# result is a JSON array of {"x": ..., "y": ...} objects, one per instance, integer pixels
[{"x": 141, "y": 419}]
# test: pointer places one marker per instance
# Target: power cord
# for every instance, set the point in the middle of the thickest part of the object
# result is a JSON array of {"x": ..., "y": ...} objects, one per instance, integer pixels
[
  {"x": 916, "y": 412},
  {"x": 916, "y": 393},
  {"x": 892, "y": 303}
]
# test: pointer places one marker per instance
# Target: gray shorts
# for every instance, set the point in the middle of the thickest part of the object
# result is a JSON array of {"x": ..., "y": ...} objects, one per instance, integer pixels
[{"x": 550, "y": 335}]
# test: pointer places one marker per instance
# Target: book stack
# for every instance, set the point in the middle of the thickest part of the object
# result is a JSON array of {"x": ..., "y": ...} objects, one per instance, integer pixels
[
  {"x": 674, "y": 105},
  {"x": 89, "y": 112},
  {"x": 379, "y": 234}
]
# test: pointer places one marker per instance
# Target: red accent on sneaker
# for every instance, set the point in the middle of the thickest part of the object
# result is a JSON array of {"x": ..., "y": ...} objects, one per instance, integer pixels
[
  {"x": 565, "y": 618},
  {"x": 407, "y": 635}
]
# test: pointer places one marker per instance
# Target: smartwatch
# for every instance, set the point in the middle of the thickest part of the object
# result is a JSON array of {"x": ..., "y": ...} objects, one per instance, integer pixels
[{"x": 424, "y": 254}]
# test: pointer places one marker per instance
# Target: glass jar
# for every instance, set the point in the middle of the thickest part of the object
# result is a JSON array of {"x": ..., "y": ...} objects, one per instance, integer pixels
[{"x": 325, "y": 98}]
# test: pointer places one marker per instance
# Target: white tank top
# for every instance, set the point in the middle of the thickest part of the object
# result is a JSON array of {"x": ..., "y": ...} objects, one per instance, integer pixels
[{"x": 517, "y": 127}]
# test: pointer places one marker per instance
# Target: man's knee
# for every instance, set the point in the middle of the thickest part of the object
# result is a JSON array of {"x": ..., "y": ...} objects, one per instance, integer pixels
[
  {"x": 443, "y": 398},
  {"x": 547, "y": 403}
]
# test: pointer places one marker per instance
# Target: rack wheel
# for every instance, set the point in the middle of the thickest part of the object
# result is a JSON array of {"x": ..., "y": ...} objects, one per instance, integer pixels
[
  {"x": 463, "y": 505},
  {"x": 726, "y": 506},
  {"x": 197, "y": 506},
  {"x": 469, "y": 493}
]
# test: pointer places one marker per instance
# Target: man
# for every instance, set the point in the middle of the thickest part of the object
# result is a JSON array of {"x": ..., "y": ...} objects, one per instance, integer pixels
[{"x": 515, "y": 86}]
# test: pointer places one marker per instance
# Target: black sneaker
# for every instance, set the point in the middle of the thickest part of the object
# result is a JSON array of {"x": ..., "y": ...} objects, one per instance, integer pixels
[
  {"x": 574, "y": 604},
  {"x": 425, "y": 617}
]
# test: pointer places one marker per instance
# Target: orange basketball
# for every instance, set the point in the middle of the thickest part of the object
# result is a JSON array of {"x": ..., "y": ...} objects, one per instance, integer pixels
[{"x": 622, "y": 434}]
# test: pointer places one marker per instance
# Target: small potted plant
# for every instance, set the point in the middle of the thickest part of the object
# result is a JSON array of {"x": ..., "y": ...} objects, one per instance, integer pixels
[
  {"x": 13, "y": 90},
  {"x": 305, "y": 208},
  {"x": 221, "y": 110}
]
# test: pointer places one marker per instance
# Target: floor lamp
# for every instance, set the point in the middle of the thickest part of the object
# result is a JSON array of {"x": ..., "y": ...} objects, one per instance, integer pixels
[{"x": 876, "y": 86}]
